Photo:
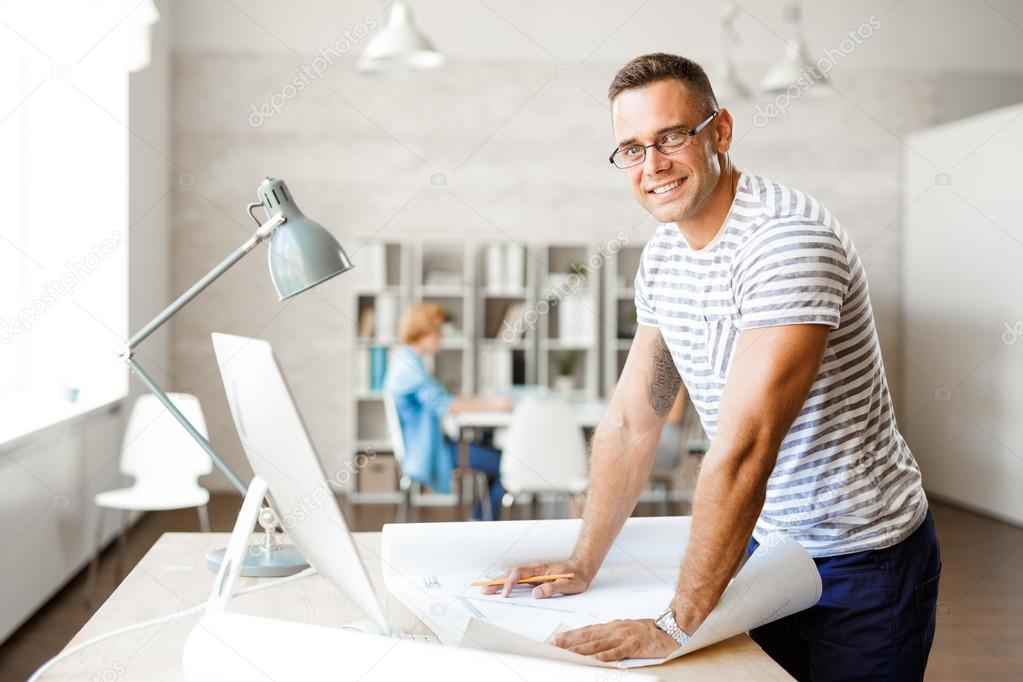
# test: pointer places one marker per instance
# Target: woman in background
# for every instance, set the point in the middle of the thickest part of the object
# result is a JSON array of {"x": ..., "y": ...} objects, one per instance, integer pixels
[{"x": 422, "y": 402}]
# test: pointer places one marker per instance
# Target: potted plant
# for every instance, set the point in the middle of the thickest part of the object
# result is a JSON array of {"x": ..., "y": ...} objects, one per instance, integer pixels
[{"x": 565, "y": 381}]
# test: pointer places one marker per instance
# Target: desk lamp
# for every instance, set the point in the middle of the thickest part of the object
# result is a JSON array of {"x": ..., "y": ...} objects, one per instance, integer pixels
[{"x": 302, "y": 254}]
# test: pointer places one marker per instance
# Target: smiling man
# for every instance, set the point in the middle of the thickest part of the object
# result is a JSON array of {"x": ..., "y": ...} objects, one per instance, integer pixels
[{"x": 752, "y": 295}]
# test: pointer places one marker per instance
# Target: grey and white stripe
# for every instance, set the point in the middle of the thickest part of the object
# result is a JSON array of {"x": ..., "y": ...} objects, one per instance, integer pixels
[{"x": 845, "y": 480}]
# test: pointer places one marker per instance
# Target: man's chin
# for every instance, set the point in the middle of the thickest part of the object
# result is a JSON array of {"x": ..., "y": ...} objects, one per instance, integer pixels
[{"x": 668, "y": 214}]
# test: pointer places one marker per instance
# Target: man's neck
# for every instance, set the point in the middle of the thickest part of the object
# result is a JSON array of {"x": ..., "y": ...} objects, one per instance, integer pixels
[{"x": 701, "y": 230}]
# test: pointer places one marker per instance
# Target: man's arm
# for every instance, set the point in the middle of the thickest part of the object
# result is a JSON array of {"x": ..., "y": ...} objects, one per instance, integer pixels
[
  {"x": 622, "y": 454},
  {"x": 768, "y": 382},
  {"x": 623, "y": 446}
]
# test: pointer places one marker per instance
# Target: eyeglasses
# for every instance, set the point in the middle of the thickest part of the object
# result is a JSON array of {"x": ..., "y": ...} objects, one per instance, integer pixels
[{"x": 671, "y": 142}]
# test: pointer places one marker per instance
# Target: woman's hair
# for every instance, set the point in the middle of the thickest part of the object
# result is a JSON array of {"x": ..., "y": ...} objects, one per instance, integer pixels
[{"x": 419, "y": 320}]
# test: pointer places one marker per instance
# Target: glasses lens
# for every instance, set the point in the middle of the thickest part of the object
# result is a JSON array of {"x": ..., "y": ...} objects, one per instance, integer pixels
[{"x": 630, "y": 156}]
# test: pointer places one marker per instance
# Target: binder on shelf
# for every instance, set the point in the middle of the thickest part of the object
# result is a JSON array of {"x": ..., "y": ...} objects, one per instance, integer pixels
[
  {"x": 515, "y": 263},
  {"x": 377, "y": 367},
  {"x": 386, "y": 317},
  {"x": 373, "y": 266},
  {"x": 495, "y": 266}
]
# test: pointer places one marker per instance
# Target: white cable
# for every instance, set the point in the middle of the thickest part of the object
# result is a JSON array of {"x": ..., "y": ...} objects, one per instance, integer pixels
[{"x": 157, "y": 621}]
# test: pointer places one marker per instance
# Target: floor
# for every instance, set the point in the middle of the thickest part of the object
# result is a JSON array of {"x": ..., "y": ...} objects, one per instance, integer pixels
[{"x": 980, "y": 608}]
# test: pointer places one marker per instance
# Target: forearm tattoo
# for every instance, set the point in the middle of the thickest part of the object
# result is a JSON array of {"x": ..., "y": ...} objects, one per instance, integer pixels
[{"x": 666, "y": 381}]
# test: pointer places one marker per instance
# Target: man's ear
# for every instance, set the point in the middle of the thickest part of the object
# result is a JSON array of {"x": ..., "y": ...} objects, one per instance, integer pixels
[{"x": 723, "y": 131}]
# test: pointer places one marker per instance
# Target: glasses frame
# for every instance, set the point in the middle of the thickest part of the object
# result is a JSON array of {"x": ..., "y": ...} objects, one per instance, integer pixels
[{"x": 690, "y": 134}]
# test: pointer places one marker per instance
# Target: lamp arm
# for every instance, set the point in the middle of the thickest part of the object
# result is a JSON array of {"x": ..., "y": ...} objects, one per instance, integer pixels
[
  {"x": 128, "y": 352},
  {"x": 192, "y": 431},
  {"x": 184, "y": 299}
]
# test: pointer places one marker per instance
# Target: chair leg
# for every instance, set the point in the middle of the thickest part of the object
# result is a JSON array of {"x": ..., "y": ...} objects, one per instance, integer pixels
[
  {"x": 406, "y": 501},
  {"x": 122, "y": 549},
  {"x": 484, "y": 492},
  {"x": 97, "y": 547},
  {"x": 204, "y": 518}
]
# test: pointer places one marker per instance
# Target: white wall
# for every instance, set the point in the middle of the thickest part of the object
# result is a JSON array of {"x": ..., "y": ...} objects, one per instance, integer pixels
[
  {"x": 963, "y": 338},
  {"x": 359, "y": 152},
  {"x": 916, "y": 35},
  {"x": 49, "y": 520}
]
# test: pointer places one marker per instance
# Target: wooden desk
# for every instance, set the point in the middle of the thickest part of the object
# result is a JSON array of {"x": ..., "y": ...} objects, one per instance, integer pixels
[{"x": 173, "y": 576}]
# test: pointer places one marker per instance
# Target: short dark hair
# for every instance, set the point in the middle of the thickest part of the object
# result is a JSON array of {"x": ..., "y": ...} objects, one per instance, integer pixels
[{"x": 650, "y": 68}]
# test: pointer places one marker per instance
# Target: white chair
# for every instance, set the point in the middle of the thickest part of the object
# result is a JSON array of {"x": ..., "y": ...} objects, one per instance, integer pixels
[
  {"x": 407, "y": 486},
  {"x": 165, "y": 463},
  {"x": 544, "y": 450}
]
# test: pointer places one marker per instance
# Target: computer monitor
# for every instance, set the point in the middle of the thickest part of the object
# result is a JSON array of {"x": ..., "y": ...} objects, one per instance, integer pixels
[{"x": 278, "y": 448}]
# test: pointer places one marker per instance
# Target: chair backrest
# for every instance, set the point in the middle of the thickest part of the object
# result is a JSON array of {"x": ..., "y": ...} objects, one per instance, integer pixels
[
  {"x": 394, "y": 428},
  {"x": 544, "y": 449},
  {"x": 158, "y": 451}
]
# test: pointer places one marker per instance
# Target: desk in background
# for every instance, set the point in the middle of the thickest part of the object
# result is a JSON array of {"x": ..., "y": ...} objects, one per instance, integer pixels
[{"x": 464, "y": 427}]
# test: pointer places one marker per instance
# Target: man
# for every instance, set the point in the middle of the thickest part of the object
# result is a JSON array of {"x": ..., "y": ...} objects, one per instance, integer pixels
[{"x": 752, "y": 295}]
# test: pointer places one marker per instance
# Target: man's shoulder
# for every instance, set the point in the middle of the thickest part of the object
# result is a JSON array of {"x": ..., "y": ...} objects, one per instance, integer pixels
[{"x": 785, "y": 213}]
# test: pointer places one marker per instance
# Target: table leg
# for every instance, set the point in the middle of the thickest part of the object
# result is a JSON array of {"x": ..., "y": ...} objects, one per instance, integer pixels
[{"x": 463, "y": 471}]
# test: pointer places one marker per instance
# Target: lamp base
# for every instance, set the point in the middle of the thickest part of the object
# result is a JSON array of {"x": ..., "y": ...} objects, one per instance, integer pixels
[{"x": 278, "y": 562}]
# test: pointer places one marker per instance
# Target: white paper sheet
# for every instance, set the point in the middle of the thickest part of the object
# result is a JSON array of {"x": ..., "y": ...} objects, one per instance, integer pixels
[{"x": 430, "y": 567}]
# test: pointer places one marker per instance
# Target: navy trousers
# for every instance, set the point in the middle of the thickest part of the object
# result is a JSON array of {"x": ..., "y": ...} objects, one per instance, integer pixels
[{"x": 875, "y": 618}]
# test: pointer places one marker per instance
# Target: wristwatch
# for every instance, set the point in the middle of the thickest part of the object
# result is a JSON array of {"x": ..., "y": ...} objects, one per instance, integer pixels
[{"x": 666, "y": 622}]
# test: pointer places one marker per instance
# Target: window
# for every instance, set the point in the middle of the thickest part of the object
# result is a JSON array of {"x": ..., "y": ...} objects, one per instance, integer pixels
[{"x": 64, "y": 209}]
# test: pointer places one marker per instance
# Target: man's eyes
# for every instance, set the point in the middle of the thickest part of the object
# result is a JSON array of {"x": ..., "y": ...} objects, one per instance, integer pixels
[{"x": 673, "y": 138}]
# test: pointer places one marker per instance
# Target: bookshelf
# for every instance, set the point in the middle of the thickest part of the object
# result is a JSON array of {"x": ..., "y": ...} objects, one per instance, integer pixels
[
  {"x": 484, "y": 287},
  {"x": 443, "y": 273},
  {"x": 619, "y": 311},
  {"x": 381, "y": 293},
  {"x": 568, "y": 333},
  {"x": 506, "y": 353}
]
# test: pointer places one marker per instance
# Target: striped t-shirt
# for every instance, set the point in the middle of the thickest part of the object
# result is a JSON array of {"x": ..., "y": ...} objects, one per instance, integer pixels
[{"x": 845, "y": 480}]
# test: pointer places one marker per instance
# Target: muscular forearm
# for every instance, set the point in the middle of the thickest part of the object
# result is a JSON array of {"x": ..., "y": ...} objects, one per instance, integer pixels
[
  {"x": 728, "y": 499},
  {"x": 620, "y": 464}
]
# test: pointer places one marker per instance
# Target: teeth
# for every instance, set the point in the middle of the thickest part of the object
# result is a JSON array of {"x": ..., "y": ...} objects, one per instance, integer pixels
[{"x": 667, "y": 188}]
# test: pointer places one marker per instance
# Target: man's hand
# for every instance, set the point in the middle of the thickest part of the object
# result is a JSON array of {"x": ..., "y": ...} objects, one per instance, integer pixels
[
  {"x": 573, "y": 585},
  {"x": 618, "y": 639}
]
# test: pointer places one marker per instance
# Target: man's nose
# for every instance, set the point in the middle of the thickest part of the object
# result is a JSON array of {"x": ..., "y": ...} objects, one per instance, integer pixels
[{"x": 655, "y": 162}]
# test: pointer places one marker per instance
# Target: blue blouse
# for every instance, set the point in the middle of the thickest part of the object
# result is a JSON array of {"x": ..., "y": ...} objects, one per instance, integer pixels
[{"x": 421, "y": 401}]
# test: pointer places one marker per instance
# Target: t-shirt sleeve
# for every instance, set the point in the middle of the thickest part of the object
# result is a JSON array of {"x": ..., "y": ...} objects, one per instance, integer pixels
[
  {"x": 644, "y": 308},
  {"x": 791, "y": 273}
]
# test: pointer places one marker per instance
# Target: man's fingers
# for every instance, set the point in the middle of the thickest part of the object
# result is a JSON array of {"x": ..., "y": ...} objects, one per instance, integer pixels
[
  {"x": 615, "y": 654},
  {"x": 593, "y": 647},
  {"x": 561, "y": 586},
  {"x": 518, "y": 573}
]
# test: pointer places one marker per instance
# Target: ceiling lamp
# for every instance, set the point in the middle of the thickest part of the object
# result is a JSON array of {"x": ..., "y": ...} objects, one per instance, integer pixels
[
  {"x": 399, "y": 44},
  {"x": 795, "y": 67}
]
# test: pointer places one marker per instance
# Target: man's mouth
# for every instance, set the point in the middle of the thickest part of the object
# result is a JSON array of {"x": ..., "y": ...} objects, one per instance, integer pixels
[{"x": 667, "y": 188}]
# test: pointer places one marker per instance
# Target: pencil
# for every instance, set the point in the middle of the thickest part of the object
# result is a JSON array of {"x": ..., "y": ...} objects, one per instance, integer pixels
[{"x": 533, "y": 579}]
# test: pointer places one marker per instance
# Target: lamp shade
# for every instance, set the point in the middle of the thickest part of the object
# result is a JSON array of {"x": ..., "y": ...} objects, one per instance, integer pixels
[
  {"x": 302, "y": 253},
  {"x": 399, "y": 44}
]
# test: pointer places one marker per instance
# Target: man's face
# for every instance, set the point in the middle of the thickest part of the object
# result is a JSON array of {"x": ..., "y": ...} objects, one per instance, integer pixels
[{"x": 674, "y": 187}]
